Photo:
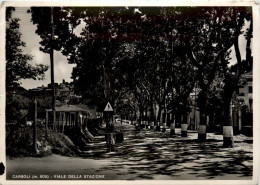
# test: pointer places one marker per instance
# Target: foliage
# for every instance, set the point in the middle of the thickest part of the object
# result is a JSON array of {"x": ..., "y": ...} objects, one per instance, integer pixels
[
  {"x": 42, "y": 17},
  {"x": 17, "y": 63},
  {"x": 16, "y": 106},
  {"x": 20, "y": 143},
  {"x": 154, "y": 55}
]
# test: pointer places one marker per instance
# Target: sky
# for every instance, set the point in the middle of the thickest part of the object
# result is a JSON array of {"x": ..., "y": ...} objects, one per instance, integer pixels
[{"x": 62, "y": 70}]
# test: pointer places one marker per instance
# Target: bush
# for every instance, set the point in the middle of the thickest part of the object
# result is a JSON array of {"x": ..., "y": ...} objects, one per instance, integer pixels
[{"x": 20, "y": 143}]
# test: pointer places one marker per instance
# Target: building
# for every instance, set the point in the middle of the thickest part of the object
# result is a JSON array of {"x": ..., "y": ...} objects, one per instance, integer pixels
[
  {"x": 245, "y": 94},
  {"x": 71, "y": 116},
  {"x": 67, "y": 116},
  {"x": 63, "y": 91}
]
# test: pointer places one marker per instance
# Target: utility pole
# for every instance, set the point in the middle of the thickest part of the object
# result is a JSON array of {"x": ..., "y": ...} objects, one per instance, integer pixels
[
  {"x": 172, "y": 126},
  {"x": 35, "y": 127},
  {"x": 194, "y": 116},
  {"x": 110, "y": 134},
  {"x": 108, "y": 111},
  {"x": 46, "y": 124},
  {"x": 52, "y": 72}
]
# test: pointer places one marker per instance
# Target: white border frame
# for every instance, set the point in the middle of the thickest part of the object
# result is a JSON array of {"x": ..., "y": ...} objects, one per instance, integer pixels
[{"x": 256, "y": 83}]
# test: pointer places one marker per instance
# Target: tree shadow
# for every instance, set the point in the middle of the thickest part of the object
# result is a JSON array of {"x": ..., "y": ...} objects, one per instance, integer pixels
[{"x": 147, "y": 154}]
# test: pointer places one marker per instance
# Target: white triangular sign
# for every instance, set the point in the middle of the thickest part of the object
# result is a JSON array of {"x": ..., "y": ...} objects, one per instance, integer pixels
[{"x": 108, "y": 108}]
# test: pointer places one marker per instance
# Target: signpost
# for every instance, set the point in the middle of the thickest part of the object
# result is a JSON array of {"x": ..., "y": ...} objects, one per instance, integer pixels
[
  {"x": 110, "y": 137},
  {"x": 108, "y": 108}
]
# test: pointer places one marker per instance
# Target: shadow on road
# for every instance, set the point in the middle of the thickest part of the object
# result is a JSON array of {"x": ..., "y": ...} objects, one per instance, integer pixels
[{"x": 148, "y": 154}]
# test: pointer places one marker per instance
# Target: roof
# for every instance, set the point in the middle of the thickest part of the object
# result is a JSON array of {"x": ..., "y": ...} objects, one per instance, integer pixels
[
  {"x": 77, "y": 108},
  {"x": 65, "y": 89},
  {"x": 68, "y": 108},
  {"x": 93, "y": 112}
]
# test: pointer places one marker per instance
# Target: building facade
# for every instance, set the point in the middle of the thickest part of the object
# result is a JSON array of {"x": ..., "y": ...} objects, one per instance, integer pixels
[{"x": 245, "y": 94}]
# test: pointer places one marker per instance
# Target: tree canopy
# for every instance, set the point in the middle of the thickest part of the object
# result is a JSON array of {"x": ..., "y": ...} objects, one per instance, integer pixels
[{"x": 156, "y": 54}]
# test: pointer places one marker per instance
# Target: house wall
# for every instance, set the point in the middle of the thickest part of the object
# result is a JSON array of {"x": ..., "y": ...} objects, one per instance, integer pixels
[{"x": 246, "y": 95}]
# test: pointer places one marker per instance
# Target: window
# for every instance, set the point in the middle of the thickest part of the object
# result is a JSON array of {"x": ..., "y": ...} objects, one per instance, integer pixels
[
  {"x": 241, "y": 94},
  {"x": 250, "y": 89},
  {"x": 250, "y": 104}
]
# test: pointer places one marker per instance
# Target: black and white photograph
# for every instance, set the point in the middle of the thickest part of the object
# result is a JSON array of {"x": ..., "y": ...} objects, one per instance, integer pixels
[{"x": 130, "y": 92}]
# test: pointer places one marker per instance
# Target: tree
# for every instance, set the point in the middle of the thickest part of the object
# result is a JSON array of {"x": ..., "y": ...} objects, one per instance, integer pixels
[
  {"x": 155, "y": 54},
  {"x": 183, "y": 79},
  {"x": 17, "y": 63},
  {"x": 232, "y": 75},
  {"x": 138, "y": 69},
  {"x": 98, "y": 46},
  {"x": 48, "y": 27},
  {"x": 213, "y": 34},
  {"x": 16, "y": 106},
  {"x": 17, "y": 68},
  {"x": 61, "y": 32}
]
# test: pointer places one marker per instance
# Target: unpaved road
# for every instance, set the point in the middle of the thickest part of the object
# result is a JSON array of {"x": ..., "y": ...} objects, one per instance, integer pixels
[{"x": 146, "y": 155}]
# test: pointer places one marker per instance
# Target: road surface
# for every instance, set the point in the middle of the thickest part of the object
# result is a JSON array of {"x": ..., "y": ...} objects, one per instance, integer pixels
[{"x": 146, "y": 155}]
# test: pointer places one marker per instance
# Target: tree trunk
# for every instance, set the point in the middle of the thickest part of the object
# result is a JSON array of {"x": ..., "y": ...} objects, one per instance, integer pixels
[
  {"x": 184, "y": 125},
  {"x": 158, "y": 123},
  {"x": 146, "y": 117},
  {"x": 227, "y": 118},
  {"x": 239, "y": 120},
  {"x": 249, "y": 58},
  {"x": 173, "y": 117},
  {"x": 202, "y": 135},
  {"x": 164, "y": 119},
  {"x": 152, "y": 117},
  {"x": 141, "y": 110},
  {"x": 211, "y": 122},
  {"x": 172, "y": 132}
]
